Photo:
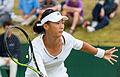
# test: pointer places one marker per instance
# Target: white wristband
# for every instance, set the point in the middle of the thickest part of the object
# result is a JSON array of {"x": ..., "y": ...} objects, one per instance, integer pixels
[{"x": 100, "y": 53}]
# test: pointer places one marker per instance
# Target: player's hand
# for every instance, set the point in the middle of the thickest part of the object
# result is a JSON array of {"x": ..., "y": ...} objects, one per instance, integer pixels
[{"x": 109, "y": 55}]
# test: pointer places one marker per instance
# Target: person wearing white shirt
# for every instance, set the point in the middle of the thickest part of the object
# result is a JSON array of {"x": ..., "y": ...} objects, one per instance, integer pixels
[
  {"x": 54, "y": 45},
  {"x": 6, "y": 7}
]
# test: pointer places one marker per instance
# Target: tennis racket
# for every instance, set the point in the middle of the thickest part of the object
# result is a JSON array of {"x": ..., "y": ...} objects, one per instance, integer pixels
[{"x": 25, "y": 44}]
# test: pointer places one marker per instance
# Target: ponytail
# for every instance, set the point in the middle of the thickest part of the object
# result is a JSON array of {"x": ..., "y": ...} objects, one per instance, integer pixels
[{"x": 38, "y": 29}]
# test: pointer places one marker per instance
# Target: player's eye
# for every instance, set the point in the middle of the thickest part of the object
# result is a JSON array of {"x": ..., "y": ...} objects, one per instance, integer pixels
[{"x": 57, "y": 22}]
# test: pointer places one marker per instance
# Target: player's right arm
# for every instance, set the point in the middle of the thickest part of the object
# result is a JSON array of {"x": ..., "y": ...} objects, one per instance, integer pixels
[{"x": 31, "y": 73}]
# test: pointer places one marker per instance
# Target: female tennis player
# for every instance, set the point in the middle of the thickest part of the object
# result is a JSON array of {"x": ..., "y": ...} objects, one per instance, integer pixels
[{"x": 54, "y": 45}]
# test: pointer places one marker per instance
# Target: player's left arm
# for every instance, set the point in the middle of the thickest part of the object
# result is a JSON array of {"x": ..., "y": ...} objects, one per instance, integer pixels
[{"x": 106, "y": 54}]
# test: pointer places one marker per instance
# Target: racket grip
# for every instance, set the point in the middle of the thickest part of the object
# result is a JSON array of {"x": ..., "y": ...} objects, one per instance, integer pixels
[{"x": 41, "y": 74}]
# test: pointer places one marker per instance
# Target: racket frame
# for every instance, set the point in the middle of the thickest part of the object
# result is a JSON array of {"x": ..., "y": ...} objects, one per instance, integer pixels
[{"x": 32, "y": 53}]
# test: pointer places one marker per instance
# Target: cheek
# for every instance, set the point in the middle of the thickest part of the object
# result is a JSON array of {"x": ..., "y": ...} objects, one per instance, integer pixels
[
  {"x": 55, "y": 28},
  {"x": 63, "y": 26}
]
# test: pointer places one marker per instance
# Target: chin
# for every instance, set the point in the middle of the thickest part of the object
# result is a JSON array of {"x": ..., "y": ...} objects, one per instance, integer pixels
[{"x": 60, "y": 34}]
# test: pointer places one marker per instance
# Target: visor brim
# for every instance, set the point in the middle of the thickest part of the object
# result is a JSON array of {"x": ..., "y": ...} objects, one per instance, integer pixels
[{"x": 58, "y": 18}]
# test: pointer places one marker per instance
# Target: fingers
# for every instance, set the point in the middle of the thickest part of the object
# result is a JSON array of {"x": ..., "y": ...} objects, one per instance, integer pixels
[
  {"x": 109, "y": 55},
  {"x": 113, "y": 60},
  {"x": 114, "y": 51},
  {"x": 114, "y": 56}
]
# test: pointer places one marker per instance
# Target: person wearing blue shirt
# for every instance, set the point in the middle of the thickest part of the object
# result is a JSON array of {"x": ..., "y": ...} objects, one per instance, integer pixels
[
  {"x": 28, "y": 11},
  {"x": 14, "y": 46}
]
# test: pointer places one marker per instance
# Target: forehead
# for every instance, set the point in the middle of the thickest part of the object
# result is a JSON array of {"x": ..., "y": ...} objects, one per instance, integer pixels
[{"x": 58, "y": 21}]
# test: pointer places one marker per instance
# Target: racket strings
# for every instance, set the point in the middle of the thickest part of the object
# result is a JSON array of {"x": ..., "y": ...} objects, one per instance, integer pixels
[
  {"x": 24, "y": 53},
  {"x": 10, "y": 42}
]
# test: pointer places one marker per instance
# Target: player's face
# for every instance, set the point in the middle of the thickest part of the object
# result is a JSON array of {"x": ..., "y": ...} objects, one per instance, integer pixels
[{"x": 56, "y": 28}]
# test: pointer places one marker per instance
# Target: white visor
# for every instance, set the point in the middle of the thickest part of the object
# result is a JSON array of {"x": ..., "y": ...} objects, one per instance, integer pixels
[{"x": 53, "y": 17}]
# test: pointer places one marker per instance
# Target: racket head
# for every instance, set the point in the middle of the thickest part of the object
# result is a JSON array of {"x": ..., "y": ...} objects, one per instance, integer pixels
[
  {"x": 25, "y": 43},
  {"x": 25, "y": 56}
]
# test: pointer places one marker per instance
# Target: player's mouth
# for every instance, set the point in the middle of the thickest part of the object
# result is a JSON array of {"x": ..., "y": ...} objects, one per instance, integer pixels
[{"x": 60, "y": 31}]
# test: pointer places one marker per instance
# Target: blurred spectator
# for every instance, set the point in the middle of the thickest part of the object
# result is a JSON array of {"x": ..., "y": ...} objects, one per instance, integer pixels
[
  {"x": 62, "y": 3},
  {"x": 102, "y": 12},
  {"x": 74, "y": 10},
  {"x": 47, "y": 4},
  {"x": 28, "y": 11},
  {"x": 6, "y": 7},
  {"x": 4, "y": 59}
]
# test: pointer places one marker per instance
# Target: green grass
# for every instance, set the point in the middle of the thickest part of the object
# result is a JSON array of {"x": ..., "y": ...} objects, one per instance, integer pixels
[{"x": 101, "y": 37}]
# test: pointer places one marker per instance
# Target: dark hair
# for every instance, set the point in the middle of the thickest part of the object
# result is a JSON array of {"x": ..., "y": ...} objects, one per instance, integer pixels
[
  {"x": 7, "y": 23},
  {"x": 40, "y": 29}
]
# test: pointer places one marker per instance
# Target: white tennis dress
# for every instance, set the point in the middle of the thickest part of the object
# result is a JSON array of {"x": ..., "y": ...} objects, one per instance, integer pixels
[{"x": 52, "y": 66}]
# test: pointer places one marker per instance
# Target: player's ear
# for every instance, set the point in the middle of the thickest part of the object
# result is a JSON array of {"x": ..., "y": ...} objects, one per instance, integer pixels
[{"x": 45, "y": 26}]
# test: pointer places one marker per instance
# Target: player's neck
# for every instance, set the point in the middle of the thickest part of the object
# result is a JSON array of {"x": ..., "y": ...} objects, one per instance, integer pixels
[{"x": 51, "y": 41}]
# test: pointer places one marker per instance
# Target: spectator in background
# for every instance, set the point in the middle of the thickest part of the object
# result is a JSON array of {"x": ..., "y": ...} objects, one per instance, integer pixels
[
  {"x": 6, "y": 7},
  {"x": 62, "y": 3},
  {"x": 4, "y": 59},
  {"x": 28, "y": 11},
  {"x": 74, "y": 10},
  {"x": 110, "y": 8},
  {"x": 47, "y": 4},
  {"x": 102, "y": 12}
]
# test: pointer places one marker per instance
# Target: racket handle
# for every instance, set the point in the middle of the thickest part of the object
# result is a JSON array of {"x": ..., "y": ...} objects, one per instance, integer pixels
[{"x": 41, "y": 74}]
